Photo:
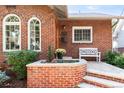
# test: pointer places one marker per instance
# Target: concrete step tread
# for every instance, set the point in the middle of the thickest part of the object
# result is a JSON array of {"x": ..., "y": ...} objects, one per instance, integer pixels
[
  {"x": 104, "y": 81},
  {"x": 86, "y": 85},
  {"x": 116, "y": 75}
]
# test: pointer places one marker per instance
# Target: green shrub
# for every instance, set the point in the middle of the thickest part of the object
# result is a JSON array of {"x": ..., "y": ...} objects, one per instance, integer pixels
[
  {"x": 115, "y": 59},
  {"x": 119, "y": 61},
  {"x": 3, "y": 77},
  {"x": 19, "y": 60},
  {"x": 49, "y": 54},
  {"x": 110, "y": 57}
]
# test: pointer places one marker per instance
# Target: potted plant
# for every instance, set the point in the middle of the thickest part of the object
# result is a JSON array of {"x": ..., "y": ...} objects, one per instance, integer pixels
[{"x": 60, "y": 52}]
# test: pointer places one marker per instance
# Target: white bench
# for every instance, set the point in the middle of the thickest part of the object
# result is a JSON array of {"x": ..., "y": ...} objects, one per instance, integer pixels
[{"x": 90, "y": 52}]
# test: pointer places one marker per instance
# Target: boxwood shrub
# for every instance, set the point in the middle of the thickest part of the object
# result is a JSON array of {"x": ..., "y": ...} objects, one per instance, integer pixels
[
  {"x": 115, "y": 59},
  {"x": 110, "y": 57},
  {"x": 119, "y": 61},
  {"x": 19, "y": 60}
]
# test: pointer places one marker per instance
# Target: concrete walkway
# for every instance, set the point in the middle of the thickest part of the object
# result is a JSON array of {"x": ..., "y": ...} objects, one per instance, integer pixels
[{"x": 103, "y": 67}]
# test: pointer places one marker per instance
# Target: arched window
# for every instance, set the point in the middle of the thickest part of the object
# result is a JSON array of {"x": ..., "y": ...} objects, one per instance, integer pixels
[
  {"x": 34, "y": 34},
  {"x": 11, "y": 33}
]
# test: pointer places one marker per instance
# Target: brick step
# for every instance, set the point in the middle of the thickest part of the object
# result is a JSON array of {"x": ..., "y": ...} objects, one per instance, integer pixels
[
  {"x": 86, "y": 85},
  {"x": 106, "y": 75},
  {"x": 104, "y": 83}
]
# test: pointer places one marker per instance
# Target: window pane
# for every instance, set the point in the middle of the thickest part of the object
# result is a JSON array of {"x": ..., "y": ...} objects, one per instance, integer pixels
[
  {"x": 37, "y": 22},
  {"x": 37, "y": 47},
  {"x": 75, "y": 35},
  {"x": 86, "y": 34},
  {"x": 16, "y": 19},
  {"x": 8, "y": 19},
  {"x": 82, "y": 34},
  {"x": 32, "y": 27},
  {"x": 37, "y": 44},
  {"x": 7, "y": 40},
  {"x": 7, "y": 45},
  {"x": 32, "y": 44},
  {"x": 12, "y": 35},
  {"x": 12, "y": 19},
  {"x": 36, "y": 27},
  {"x": 7, "y": 33},
  {"x": 31, "y": 47},
  {"x": 12, "y": 28},
  {"x": 7, "y": 27},
  {"x": 34, "y": 35},
  {"x": 78, "y": 34},
  {"x": 16, "y": 27},
  {"x": 12, "y": 45},
  {"x": 37, "y": 40},
  {"x": 17, "y": 46}
]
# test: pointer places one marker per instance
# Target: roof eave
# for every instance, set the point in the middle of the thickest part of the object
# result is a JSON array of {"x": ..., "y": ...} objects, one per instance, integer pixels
[
  {"x": 93, "y": 18},
  {"x": 60, "y": 10}
]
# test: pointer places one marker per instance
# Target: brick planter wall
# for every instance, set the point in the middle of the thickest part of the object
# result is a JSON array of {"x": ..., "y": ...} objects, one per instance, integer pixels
[{"x": 55, "y": 75}]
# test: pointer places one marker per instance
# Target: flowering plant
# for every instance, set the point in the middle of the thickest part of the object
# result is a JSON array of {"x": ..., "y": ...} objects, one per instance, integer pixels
[{"x": 60, "y": 52}]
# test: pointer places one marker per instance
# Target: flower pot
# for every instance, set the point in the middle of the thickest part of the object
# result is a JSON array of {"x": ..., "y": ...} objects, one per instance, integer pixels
[{"x": 59, "y": 55}]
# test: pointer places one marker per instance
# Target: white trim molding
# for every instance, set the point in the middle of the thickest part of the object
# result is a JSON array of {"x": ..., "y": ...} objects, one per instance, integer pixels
[
  {"x": 34, "y": 18},
  {"x": 82, "y": 27},
  {"x": 4, "y": 32}
]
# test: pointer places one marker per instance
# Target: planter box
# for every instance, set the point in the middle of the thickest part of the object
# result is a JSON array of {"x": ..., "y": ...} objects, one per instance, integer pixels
[{"x": 55, "y": 75}]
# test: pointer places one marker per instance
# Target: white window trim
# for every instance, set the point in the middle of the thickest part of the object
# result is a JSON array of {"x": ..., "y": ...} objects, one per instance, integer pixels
[
  {"x": 3, "y": 33},
  {"x": 29, "y": 33},
  {"x": 82, "y": 27}
]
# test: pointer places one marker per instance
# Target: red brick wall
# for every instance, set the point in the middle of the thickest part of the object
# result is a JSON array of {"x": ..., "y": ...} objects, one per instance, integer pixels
[
  {"x": 48, "y": 28},
  {"x": 55, "y": 75},
  {"x": 102, "y": 36}
]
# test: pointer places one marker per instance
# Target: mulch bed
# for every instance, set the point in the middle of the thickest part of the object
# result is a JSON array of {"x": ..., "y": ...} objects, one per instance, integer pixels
[{"x": 14, "y": 84}]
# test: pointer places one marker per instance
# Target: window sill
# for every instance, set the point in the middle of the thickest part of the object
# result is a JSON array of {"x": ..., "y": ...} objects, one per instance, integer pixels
[
  {"x": 10, "y": 50},
  {"x": 82, "y": 42},
  {"x": 36, "y": 50},
  {"x": 20, "y": 50}
]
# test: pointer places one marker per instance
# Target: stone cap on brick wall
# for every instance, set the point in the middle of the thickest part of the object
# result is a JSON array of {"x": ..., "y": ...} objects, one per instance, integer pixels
[{"x": 42, "y": 63}]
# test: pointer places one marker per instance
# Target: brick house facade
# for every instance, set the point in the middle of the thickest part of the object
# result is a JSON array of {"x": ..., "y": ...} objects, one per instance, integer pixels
[
  {"x": 48, "y": 27},
  {"x": 51, "y": 27},
  {"x": 102, "y": 36}
]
